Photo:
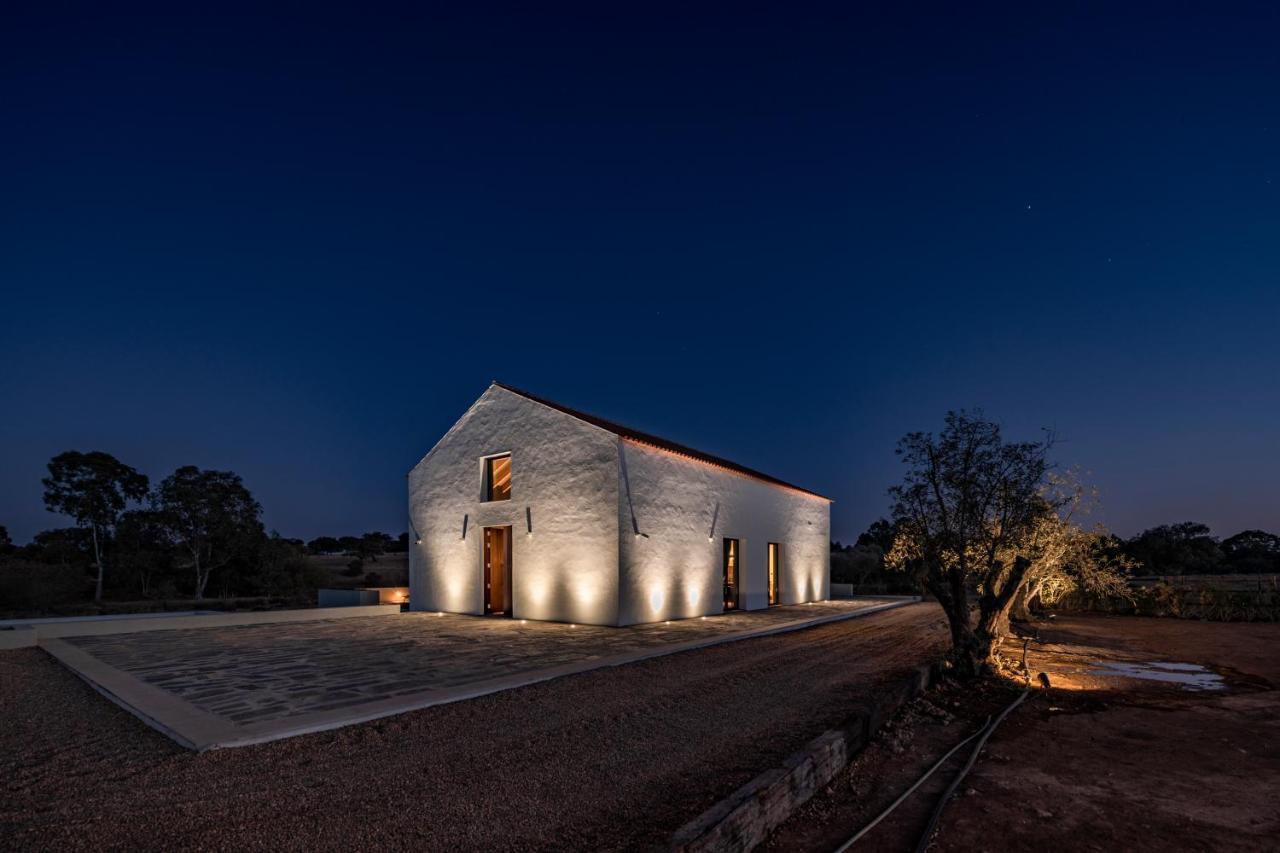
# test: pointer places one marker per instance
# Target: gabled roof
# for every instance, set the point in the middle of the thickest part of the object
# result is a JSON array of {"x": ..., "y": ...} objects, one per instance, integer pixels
[{"x": 638, "y": 437}]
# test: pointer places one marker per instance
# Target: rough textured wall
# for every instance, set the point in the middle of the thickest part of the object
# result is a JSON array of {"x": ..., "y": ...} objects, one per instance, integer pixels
[
  {"x": 674, "y": 514},
  {"x": 564, "y": 474}
]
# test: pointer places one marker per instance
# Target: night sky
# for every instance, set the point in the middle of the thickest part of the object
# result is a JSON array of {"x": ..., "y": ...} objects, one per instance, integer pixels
[{"x": 298, "y": 246}]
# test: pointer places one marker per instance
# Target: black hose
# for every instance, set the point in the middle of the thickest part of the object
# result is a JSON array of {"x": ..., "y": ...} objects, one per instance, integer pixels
[
  {"x": 884, "y": 814},
  {"x": 973, "y": 757}
]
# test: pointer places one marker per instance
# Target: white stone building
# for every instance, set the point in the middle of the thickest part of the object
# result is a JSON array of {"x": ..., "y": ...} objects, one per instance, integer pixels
[{"x": 531, "y": 509}]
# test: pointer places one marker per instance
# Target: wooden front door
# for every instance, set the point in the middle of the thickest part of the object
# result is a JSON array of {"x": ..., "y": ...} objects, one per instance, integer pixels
[{"x": 497, "y": 571}]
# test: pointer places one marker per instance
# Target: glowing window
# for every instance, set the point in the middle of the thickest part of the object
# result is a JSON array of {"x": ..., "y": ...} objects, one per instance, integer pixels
[
  {"x": 775, "y": 571},
  {"x": 497, "y": 478}
]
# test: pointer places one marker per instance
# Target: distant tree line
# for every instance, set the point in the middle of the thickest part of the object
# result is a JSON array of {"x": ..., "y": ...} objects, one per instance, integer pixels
[
  {"x": 194, "y": 534},
  {"x": 367, "y": 547},
  {"x": 1187, "y": 548}
]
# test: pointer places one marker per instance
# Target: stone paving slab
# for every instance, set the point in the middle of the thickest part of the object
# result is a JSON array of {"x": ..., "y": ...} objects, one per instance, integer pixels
[{"x": 231, "y": 686}]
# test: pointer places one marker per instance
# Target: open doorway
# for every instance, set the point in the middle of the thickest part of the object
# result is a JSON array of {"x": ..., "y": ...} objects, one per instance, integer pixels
[{"x": 497, "y": 571}]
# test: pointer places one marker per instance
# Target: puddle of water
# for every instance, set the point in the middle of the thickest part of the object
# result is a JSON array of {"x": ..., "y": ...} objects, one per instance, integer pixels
[{"x": 1191, "y": 676}]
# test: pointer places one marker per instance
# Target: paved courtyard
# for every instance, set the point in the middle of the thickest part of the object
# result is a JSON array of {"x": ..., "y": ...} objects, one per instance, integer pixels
[{"x": 243, "y": 684}]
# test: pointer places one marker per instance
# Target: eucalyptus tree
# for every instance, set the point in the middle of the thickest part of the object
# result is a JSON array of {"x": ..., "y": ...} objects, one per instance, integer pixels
[
  {"x": 94, "y": 489},
  {"x": 210, "y": 516}
]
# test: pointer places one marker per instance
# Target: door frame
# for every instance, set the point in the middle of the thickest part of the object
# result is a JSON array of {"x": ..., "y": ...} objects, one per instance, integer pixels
[{"x": 485, "y": 570}]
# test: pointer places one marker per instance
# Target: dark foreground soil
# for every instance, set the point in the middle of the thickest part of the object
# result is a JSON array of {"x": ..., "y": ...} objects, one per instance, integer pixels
[
  {"x": 612, "y": 759},
  {"x": 1094, "y": 763}
]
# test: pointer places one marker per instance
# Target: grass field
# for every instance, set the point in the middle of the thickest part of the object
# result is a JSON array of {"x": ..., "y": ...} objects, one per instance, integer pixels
[
  {"x": 1233, "y": 583},
  {"x": 390, "y": 569}
]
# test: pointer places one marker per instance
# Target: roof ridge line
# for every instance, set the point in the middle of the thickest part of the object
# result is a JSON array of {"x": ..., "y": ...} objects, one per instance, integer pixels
[{"x": 648, "y": 439}]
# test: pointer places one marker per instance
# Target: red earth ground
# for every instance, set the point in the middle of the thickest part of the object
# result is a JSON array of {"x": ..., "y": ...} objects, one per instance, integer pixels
[{"x": 1097, "y": 762}]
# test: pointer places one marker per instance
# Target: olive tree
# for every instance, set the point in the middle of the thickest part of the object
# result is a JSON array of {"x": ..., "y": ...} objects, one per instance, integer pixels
[
  {"x": 1066, "y": 558},
  {"x": 966, "y": 513},
  {"x": 92, "y": 488}
]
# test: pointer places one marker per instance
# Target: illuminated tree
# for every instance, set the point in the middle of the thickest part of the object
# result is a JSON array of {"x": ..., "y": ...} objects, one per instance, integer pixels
[
  {"x": 967, "y": 512},
  {"x": 1066, "y": 558}
]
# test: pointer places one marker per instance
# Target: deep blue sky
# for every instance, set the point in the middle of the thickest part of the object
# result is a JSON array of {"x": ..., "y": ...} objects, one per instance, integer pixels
[{"x": 299, "y": 245}]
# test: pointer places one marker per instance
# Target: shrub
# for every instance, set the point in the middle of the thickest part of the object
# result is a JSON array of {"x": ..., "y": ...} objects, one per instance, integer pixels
[{"x": 30, "y": 586}]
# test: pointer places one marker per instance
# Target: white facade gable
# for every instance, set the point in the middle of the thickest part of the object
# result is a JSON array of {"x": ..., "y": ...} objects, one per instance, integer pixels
[{"x": 603, "y": 529}]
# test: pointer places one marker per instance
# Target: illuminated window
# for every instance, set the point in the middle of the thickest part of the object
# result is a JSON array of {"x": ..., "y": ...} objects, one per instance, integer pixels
[
  {"x": 775, "y": 571},
  {"x": 497, "y": 478},
  {"x": 730, "y": 574}
]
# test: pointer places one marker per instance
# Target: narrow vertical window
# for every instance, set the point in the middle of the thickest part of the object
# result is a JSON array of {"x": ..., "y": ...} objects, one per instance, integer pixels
[
  {"x": 730, "y": 574},
  {"x": 497, "y": 478},
  {"x": 775, "y": 574}
]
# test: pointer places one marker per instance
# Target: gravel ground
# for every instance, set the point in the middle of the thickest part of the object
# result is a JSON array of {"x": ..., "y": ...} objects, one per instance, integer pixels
[{"x": 610, "y": 759}]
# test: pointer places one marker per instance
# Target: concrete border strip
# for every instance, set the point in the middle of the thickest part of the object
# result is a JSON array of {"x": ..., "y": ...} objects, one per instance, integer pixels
[
  {"x": 92, "y": 627},
  {"x": 167, "y": 713},
  {"x": 744, "y": 819},
  {"x": 199, "y": 733}
]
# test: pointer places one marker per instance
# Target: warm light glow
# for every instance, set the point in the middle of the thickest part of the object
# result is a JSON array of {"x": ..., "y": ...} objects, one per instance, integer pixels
[
  {"x": 586, "y": 591},
  {"x": 656, "y": 599},
  {"x": 734, "y": 471},
  {"x": 538, "y": 592}
]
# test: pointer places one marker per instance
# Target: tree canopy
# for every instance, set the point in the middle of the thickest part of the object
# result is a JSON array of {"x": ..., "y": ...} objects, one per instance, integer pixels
[
  {"x": 92, "y": 488},
  {"x": 212, "y": 517}
]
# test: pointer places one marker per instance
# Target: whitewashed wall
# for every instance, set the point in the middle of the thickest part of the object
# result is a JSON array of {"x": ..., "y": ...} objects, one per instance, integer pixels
[
  {"x": 564, "y": 473},
  {"x": 674, "y": 514}
]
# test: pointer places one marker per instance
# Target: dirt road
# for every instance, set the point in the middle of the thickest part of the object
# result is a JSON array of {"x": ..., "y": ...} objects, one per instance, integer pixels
[
  {"x": 1099, "y": 762},
  {"x": 611, "y": 759}
]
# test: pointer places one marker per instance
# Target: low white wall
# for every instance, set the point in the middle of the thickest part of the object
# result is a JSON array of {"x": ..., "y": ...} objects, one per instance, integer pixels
[
  {"x": 91, "y": 626},
  {"x": 675, "y": 513},
  {"x": 346, "y": 597},
  {"x": 18, "y": 637}
]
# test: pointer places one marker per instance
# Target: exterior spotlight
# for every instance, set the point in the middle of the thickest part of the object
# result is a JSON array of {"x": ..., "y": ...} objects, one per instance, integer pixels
[{"x": 418, "y": 541}]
